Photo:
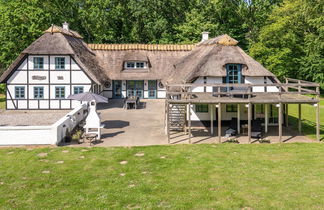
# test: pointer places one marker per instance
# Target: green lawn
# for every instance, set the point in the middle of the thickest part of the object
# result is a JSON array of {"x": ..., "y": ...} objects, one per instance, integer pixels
[
  {"x": 2, "y": 101},
  {"x": 308, "y": 119},
  {"x": 227, "y": 176}
]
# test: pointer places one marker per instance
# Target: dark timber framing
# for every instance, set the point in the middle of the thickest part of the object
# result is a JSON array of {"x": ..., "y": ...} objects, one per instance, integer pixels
[
  {"x": 29, "y": 98},
  {"x": 292, "y": 92}
]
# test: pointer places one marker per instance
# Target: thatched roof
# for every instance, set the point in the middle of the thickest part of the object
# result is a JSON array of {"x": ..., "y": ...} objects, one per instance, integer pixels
[
  {"x": 148, "y": 47},
  {"x": 210, "y": 57},
  {"x": 58, "y": 29},
  {"x": 160, "y": 63},
  {"x": 58, "y": 43}
]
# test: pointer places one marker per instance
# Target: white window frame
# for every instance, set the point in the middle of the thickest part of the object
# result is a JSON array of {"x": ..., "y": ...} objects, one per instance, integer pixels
[
  {"x": 40, "y": 89},
  {"x": 37, "y": 66},
  {"x": 21, "y": 92},
  {"x": 58, "y": 66},
  {"x": 135, "y": 64}
]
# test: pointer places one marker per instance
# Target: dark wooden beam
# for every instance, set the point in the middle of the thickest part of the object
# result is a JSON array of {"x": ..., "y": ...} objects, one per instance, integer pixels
[{"x": 189, "y": 122}]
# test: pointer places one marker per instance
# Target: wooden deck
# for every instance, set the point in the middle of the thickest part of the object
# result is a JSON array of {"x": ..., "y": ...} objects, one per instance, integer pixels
[{"x": 256, "y": 98}]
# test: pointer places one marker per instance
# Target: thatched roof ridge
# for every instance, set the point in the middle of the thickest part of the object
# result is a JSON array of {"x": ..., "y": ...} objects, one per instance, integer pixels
[
  {"x": 148, "y": 47},
  {"x": 224, "y": 39},
  {"x": 58, "y": 29}
]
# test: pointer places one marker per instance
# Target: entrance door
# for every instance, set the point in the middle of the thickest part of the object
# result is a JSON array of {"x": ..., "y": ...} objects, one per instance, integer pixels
[
  {"x": 117, "y": 87},
  {"x": 152, "y": 88},
  {"x": 135, "y": 88}
]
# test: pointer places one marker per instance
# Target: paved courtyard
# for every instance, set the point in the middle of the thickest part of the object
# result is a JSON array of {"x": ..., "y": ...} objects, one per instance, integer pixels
[{"x": 145, "y": 126}]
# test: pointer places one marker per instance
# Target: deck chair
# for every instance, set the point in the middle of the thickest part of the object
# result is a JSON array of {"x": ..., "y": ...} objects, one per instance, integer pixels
[
  {"x": 232, "y": 129},
  {"x": 256, "y": 130}
]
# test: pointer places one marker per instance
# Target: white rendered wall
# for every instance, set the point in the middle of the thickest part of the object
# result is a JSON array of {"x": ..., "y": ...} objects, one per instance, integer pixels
[{"x": 33, "y": 135}]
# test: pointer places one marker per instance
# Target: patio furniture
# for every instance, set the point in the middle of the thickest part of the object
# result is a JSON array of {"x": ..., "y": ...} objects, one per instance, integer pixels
[
  {"x": 132, "y": 101},
  {"x": 89, "y": 137},
  {"x": 256, "y": 130},
  {"x": 231, "y": 131}
]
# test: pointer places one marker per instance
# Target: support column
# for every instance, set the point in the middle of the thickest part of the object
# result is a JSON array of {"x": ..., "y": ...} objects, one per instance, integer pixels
[
  {"x": 286, "y": 115},
  {"x": 211, "y": 119},
  {"x": 219, "y": 123},
  {"x": 299, "y": 118},
  {"x": 266, "y": 117},
  {"x": 189, "y": 122},
  {"x": 249, "y": 121},
  {"x": 318, "y": 122},
  {"x": 238, "y": 118},
  {"x": 280, "y": 122},
  {"x": 168, "y": 121}
]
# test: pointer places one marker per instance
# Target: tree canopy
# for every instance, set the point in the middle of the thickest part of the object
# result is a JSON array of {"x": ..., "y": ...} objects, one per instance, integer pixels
[{"x": 285, "y": 36}]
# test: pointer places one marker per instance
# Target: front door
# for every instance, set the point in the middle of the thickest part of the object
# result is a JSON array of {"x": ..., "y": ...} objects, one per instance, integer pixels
[
  {"x": 135, "y": 88},
  {"x": 117, "y": 87},
  {"x": 152, "y": 86}
]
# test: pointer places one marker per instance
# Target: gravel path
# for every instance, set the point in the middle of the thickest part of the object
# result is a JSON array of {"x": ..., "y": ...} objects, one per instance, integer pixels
[{"x": 30, "y": 117}]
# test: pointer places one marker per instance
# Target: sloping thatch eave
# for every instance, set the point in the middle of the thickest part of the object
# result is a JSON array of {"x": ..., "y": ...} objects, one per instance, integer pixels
[{"x": 4, "y": 77}]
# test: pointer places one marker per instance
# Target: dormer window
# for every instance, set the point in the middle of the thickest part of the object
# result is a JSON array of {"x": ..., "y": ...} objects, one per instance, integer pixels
[{"x": 135, "y": 65}]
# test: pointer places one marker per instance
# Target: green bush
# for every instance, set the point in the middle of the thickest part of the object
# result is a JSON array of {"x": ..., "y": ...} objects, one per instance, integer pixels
[{"x": 2, "y": 88}]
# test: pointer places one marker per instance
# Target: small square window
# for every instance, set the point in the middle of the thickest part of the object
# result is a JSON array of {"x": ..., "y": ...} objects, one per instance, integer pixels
[
  {"x": 202, "y": 108},
  {"x": 38, "y": 92},
  {"x": 60, "y": 63},
  {"x": 19, "y": 92},
  {"x": 130, "y": 65},
  {"x": 139, "y": 65},
  {"x": 78, "y": 89},
  {"x": 231, "y": 108},
  {"x": 59, "y": 92},
  {"x": 38, "y": 63}
]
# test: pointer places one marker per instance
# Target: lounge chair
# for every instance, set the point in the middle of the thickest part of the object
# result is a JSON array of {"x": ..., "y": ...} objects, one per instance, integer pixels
[
  {"x": 232, "y": 130},
  {"x": 256, "y": 130}
]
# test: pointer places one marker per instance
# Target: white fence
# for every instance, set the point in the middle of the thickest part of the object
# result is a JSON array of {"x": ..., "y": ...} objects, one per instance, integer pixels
[{"x": 32, "y": 135}]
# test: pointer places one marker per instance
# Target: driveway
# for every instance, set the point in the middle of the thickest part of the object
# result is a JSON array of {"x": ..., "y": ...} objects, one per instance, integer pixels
[{"x": 132, "y": 127}]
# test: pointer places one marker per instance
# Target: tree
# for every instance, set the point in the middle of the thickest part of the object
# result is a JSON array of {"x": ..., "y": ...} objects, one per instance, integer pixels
[{"x": 291, "y": 42}]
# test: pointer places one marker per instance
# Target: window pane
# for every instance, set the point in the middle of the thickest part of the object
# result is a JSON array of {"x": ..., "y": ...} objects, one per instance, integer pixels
[
  {"x": 139, "y": 65},
  {"x": 38, "y": 63},
  {"x": 130, "y": 65},
  {"x": 59, "y": 92},
  {"x": 201, "y": 108},
  {"x": 59, "y": 63}
]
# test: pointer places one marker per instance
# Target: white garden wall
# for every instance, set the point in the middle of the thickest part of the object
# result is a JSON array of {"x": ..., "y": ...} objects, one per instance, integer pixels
[{"x": 35, "y": 135}]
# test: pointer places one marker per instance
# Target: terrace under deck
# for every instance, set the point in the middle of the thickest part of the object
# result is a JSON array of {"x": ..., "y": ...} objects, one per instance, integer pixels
[{"x": 280, "y": 94}]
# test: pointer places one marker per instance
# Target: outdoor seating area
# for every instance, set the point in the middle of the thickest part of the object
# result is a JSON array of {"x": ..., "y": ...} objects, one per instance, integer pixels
[{"x": 131, "y": 102}]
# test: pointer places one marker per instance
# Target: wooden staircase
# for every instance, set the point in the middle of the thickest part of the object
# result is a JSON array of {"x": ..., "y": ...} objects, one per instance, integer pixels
[{"x": 177, "y": 117}]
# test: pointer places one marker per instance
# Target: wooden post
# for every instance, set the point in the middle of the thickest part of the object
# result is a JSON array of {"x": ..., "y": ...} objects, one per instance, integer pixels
[
  {"x": 286, "y": 115},
  {"x": 299, "y": 118},
  {"x": 219, "y": 123},
  {"x": 318, "y": 122},
  {"x": 280, "y": 122},
  {"x": 189, "y": 122},
  {"x": 238, "y": 118},
  {"x": 168, "y": 121},
  {"x": 211, "y": 119},
  {"x": 266, "y": 116},
  {"x": 318, "y": 115},
  {"x": 249, "y": 121}
]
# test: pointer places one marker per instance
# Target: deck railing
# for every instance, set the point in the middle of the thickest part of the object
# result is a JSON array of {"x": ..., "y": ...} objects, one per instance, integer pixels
[{"x": 291, "y": 87}]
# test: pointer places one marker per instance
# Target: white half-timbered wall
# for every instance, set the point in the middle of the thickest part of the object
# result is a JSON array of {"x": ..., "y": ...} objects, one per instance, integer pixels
[
  {"x": 49, "y": 78},
  {"x": 205, "y": 116}
]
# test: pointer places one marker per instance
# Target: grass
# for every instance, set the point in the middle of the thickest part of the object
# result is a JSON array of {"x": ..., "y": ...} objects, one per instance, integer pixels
[
  {"x": 228, "y": 176},
  {"x": 2, "y": 101},
  {"x": 308, "y": 119}
]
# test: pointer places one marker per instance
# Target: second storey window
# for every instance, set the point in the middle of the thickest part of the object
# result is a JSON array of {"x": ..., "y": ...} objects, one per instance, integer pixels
[
  {"x": 38, "y": 63},
  {"x": 19, "y": 92},
  {"x": 233, "y": 73},
  {"x": 59, "y": 92},
  {"x": 60, "y": 63},
  {"x": 38, "y": 92},
  {"x": 135, "y": 65},
  {"x": 78, "y": 89}
]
